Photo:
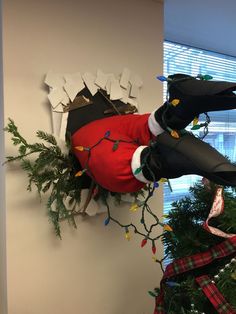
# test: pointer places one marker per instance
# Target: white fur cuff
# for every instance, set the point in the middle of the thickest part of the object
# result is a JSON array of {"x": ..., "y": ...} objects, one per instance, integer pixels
[
  {"x": 154, "y": 126},
  {"x": 136, "y": 163}
]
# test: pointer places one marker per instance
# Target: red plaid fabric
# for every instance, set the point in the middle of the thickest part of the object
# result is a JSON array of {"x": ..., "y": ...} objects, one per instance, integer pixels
[
  {"x": 215, "y": 297},
  {"x": 179, "y": 266}
]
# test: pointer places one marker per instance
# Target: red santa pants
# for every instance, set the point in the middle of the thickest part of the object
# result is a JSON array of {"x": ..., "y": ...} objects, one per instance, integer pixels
[{"x": 113, "y": 166}]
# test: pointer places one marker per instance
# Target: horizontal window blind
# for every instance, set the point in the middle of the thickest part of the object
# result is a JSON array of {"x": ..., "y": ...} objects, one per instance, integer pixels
[{"x": 222, "y": 129}]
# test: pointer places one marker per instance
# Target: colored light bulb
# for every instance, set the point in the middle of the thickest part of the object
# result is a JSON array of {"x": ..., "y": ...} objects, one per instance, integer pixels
[
  {"x": 172, "y": 284},
  {"x": 138, "y": 170},
  {"x": 107, "y": 134},
  {"x": 174, "y": 134},
  {"x": 196, "y": 127},
  {"x": 134, "y": 207},
  {"x": 106, "y": 222},
  {"x": 167, "y": 228},
  {"x": 155, "y": 184},
  {"x": 127, "y": 236},
  {"x": 175, "y": 102},
  {"x": 154, "y": 258},
  {"x": 144, "y": 242},
  {"x": 154, "y": 249},
  {"x": 163, "y": 180},
  {"x": 195, "y": 121},
  {"x": 152, "y": 294},
  {"x": 165, "y": 216},
  {"x": 162, "y": 78},
  {"x": 79, "y": 174},
  {"x": 207, "y": 77},
  {"x": 79, "y": 148}
]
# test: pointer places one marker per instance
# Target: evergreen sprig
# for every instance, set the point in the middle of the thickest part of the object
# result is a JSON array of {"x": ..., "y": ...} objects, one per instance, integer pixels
[{"x": 51, "y": 171}]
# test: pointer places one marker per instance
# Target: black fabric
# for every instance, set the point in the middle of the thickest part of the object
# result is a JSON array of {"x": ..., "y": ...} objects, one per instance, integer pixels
[
  {"x": 166, "y": 116},
  {"x": 165, "y": 162},
  {"x": 191, "y": 86},
  {"x": 84, "y": 115},
  {"x": 174, "y": 158},
  {"x": 196, "y": 97},
  {"x": 190, "y": 155}
]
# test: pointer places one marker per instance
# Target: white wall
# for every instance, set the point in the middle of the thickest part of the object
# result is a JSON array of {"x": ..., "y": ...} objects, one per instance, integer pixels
[
  {"x": 93, "y": 270},
  {"x": 3, "y": 280}
]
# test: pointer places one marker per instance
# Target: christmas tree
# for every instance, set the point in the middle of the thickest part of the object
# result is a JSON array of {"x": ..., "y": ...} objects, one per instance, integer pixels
[{"x": 202, "y": 275}]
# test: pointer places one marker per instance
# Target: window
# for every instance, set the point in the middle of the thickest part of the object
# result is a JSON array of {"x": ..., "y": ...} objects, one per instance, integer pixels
[{"x": 222, "y": 129}]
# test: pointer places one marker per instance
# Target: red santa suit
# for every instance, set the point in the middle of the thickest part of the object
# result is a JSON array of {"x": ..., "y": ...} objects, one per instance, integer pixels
[{"x": 115, "y": 169}]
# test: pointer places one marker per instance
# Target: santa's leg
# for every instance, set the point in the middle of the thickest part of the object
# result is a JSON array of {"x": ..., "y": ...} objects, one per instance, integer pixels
[
  {"x": 170, "y": 158},
  {"x": 173, "y": 157},
  {"x": 188, "y": 97}
]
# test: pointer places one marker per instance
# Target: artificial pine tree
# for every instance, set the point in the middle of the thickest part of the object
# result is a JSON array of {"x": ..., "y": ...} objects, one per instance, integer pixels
[{"x": 202, "y": 276}]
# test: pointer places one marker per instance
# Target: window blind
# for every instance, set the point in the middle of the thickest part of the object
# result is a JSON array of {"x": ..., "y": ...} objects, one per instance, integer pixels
[{"x": 222, "y": 129}]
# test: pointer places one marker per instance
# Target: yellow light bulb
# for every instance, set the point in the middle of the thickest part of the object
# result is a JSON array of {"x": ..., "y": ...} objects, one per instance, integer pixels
[
  {"x": 195, "y": 121},
  {"x": 134, "y": 207},
  {"x": 80, "y": 148},
  {"x": 79, "y": 174},
  {"x": 127, "y": 236},
  {"x": 154, "y": 258},
  {"x": 175, "y": 102},
  {"x": 165, "y": 216},
  {"x": 163, "y": 180},
  {"x": 167, "y": 228},
  {"x": 174, "y": 134}
]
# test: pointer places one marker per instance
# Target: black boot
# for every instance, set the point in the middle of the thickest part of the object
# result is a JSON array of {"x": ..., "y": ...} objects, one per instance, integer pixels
[
  {"x": 172, "y": 158},
  {"x": 188, "y": 97}
]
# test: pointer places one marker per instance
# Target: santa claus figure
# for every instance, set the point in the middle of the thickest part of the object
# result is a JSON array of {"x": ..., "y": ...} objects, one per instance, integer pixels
[{"x": 123, "y": 152}]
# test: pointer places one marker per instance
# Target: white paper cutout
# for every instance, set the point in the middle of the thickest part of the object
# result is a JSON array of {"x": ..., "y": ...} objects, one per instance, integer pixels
[
  {"x": 124, "y": 80},
  {"x": 64, "y": 89},
  {"x": 134, "y": 91},
  {"x": 71, "y": 90},
  {"x": 101, "y": 79},
  {"x": 53, "y": 79},
  {"x": 110, "y": 79},
  {"x": 56, "y": 122},
  {"x": 55, "y": 96},
  {"x": 136, "y": 80},
  {"x": 74, "y": 78},
  {"x": 116, "y": 91},
  {"x": 63, "y": 126},
  {"x": 74, "y": 84},
  {"x": 125, "y": 96},
  {"x": 89, "y": 80},
  {"x": 65, "y": 101}
]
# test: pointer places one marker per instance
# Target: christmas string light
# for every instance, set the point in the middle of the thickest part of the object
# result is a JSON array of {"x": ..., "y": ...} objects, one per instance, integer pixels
[
  {"x": 145, "y": 209},
  {"x": 227, "y": 266},
  {"x": 175, "y": 102}
]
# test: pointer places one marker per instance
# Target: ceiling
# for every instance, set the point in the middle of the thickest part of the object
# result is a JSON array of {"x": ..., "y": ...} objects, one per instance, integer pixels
[{"x": 208, "y": 24}]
